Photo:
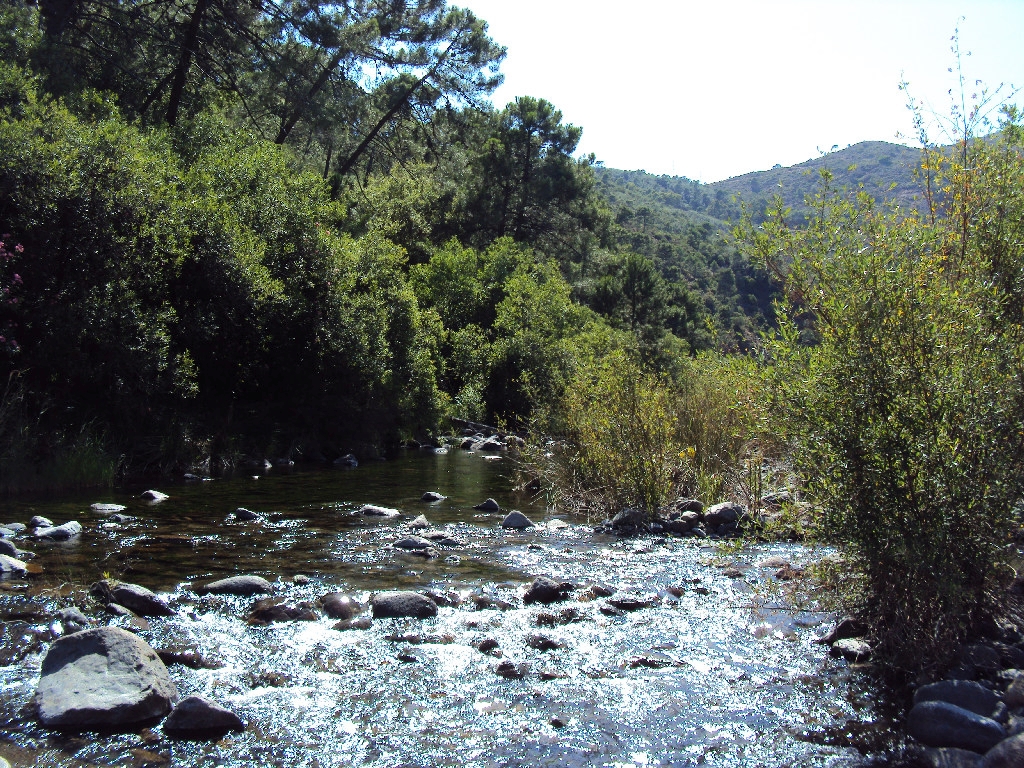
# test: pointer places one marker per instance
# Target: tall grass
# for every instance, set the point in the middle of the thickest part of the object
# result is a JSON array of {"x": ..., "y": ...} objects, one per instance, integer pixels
[{"x": 623, "y": 436}]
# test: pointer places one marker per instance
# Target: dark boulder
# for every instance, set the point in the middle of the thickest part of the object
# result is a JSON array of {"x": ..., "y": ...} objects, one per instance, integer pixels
[
  {"x": 965, "y": 694},
  {"x": 68, "y": 530},
  {"x": 199, "y": 718},
  {"x": 941, "y": 724},
  {"x": 1008, "y": 753},
  {"x": 844, "y": 628},
  {"x": 402, "y": 604},
  {"x": 360, "y": 622},
  {"x": 135, "y": 598},
  {"x": 338, "y": 605},
  {"x": 12, "y": 566},
  {"x": 545, "y": 590},
  {"x": 372, "y": 510},
  {"x": 517, "y": 520},
  {"x": 720, "y": 514},
  {"x": 269, "y": 610}
]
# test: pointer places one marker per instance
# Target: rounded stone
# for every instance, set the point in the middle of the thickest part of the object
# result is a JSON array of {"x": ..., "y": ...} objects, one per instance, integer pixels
[
  {"x": 245, "y": 586},
  {"x": 517, "y": 520},
  {"x": 1008, "y": 753},
  {"x": 197, "y": 716},
  {"x": 338, "y": 605},
  {"x": 941, "y": 724},
  {"x": 402, "y": 604},
  {"x": 102, "y": 677}
]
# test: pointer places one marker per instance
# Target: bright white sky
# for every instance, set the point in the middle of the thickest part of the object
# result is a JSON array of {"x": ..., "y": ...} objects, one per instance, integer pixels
[{"x": 711, "y": 89}]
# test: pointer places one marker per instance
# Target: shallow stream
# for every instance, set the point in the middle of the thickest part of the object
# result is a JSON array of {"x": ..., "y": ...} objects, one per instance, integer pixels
[{"x": 712, "y": 667}]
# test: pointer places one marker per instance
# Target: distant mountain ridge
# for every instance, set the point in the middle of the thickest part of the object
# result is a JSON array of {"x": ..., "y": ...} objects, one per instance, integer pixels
[{"x": 885, "y": 170}]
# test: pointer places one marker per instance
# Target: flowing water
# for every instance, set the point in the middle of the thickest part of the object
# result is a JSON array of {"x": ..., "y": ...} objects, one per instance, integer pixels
[{"x": 714, "y": 668}]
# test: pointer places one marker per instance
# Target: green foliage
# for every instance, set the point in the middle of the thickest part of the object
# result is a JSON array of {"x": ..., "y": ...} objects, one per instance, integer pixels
[
  {"x": 617, "y": 425},
  {"x": 908, "y": 410},
  {"x": 632, "y": 438},
  {"x": 146, "y": 289}
]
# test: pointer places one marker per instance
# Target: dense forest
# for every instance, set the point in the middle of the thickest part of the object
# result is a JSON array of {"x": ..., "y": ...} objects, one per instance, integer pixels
[{"x": 302, "y": 228}]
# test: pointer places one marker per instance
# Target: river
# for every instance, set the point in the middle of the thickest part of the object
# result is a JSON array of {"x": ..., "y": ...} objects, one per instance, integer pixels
[{"x": 715, "y": 667}]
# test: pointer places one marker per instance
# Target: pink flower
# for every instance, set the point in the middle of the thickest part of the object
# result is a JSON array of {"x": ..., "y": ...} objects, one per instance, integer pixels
[{"x": 19, "y": 248}]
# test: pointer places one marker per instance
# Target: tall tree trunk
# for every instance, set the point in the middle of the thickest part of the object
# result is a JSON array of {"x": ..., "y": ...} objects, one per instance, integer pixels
[
  {"x": 188, "y": 50},
  {"x": 290, "y": 121},
  {"x": 351, "y": 160}
]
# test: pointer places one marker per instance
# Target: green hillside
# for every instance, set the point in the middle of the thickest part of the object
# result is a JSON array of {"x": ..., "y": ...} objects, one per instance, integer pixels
[{"x": 885, "y": 170}]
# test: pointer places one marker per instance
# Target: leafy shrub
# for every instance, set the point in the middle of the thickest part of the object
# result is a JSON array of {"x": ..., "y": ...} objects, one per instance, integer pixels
[{"x": 909, "y": 410}]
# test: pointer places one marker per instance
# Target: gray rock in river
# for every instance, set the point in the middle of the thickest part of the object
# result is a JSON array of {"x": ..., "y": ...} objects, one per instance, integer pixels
[
  {"x": 412, "y": 543},
  {"x": 683, "y": 523},
  {"x": 1008, "y": 753},
  {"x": 73, "y": 620},
  {"x": 630, "y": 520},
  {"x": 372, "y": 510},
  {"x": 517, "y": 520},
  {"x": 845, "y": 628},
  {"x": 966, "y": 694},
  {"x": 431, "y": 496},
  {"x": 941, "y": 724},
  {"x": 1014, "y": 696},
  {"x": 490, "y": 505},
  {"x": 152, "y": 495},
  {"x": 269, "y": 610},
  {"x": 510, "y": 670},
  {"x": 107, "y": 509},
  {"x": 243, "y": 515},
  {"x": 245, "y": 586},
  {"x": 40, "y": 522},
  {"x": 402, "y": 604},
  {"x": 199, "y": 718},
  {"x": 545, "y": 590},
  {"x": 338, "y": 605},
  {"x": 63, "y": 532},
  {"x": 135, "y": 598},
  {"x": 11, "y": 566},
  {"x": 7, "y": 548},
  {"x": 419, "y": 523},
  {"x": 102, "y": 677},
  {"x": 348, "y": 460}
]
